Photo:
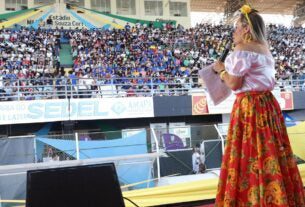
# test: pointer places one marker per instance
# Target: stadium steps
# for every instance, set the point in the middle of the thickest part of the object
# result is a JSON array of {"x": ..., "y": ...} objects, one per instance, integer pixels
[
  {"x": 102, "y": 21},
  {"x": 88, "y": 24},
  {"x": 22, "y": 17},
  {"x": 66, "y": 56},
  {"x": 36, "y": 23}
]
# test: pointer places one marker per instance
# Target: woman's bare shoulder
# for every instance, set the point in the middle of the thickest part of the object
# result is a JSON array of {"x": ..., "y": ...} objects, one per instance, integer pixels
[{"x": 253, "y": 47}]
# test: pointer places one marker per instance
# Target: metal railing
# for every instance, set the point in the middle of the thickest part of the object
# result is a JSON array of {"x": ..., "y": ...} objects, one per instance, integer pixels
[
  {"x": 35, "y": 89},
  {"x": 65, "y": 88}
]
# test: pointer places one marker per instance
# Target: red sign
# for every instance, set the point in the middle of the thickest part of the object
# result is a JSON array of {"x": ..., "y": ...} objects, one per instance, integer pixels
[
  {"x": 287, "y": 98},
  {"x": 199, "y": 105}
]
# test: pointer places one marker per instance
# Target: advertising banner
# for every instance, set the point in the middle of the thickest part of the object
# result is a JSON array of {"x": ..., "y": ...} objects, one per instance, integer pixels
[
  {"x": 224, "y": 107},
  {"x": 111, "y": 108},
  {"x": 285, "y": 99},
  {"x": 181, "y": 130},
  {"x": 199, "y": 105},
  {"x": 14, "y": 112},
  {"x": 159, "y": 129}
]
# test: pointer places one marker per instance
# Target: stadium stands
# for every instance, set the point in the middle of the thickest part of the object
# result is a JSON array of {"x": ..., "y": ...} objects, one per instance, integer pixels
[{"x": 136, "y": 59}]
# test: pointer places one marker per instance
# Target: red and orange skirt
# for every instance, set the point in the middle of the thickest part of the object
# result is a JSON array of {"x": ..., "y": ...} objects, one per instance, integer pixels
[{"x": 258, "y": 168}]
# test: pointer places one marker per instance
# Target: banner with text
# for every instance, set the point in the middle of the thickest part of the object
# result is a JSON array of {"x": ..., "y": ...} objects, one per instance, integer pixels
[
  {"x": 284, "y": 98},
  {"x": 15, "y": 112}
]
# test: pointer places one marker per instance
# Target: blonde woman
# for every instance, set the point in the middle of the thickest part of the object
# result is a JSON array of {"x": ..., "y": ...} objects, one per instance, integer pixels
[{"x": 258, "y": 167}]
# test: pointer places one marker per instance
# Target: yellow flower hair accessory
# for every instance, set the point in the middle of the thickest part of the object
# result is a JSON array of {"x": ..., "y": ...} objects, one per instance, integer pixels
[{"x": 245, "y": 10}]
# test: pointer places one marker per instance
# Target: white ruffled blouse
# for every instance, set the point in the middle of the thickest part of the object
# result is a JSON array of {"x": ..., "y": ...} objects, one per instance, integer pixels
[{"x": 257, "y": 69}]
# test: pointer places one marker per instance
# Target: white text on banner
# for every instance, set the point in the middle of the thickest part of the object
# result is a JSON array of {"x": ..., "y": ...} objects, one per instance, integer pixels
[{"x": 14, "y": 112}]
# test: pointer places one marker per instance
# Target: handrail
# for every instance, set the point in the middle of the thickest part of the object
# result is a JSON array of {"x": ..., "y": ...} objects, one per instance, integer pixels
[{"x": 66, "y": 88}]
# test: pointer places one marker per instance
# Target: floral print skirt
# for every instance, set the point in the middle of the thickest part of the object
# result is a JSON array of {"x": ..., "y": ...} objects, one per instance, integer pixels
[{"x": 258, "y": 168}]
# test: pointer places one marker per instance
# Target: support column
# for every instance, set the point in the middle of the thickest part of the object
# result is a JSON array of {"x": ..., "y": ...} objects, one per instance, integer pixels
[
  {"x": 2, "y": 6},
  {"x": 31, "y": 4},
  {"x": 87, "y": 4},
  {"x": 189, "y": 9},
  {"x": 166, "y": 14},
  {"x": 140, "y": 10},
  {"x": 231, "y": 7},
  {"x": 299, "y": 15},
  {"x": 113, "y": 9}
]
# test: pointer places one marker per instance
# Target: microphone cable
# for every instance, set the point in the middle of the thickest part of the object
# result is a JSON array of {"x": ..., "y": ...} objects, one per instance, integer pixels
[{"x": 131, "y": 202}]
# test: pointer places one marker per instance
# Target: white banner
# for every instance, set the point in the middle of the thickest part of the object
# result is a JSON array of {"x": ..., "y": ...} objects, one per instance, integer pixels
[
  {"x": 160, "y": 129},
  {"x": 14, "y": 112},
  {"x": 285, "y": 100},
  {"x": 130, "y": 132},
  {"x": 224, "y": 107},
  {"x": 181, "y": 130},
  {"x": 111, "y": 108}
]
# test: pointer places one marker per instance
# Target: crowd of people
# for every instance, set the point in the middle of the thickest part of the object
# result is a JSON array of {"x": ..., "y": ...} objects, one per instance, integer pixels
[
  {"x": 26, "y": 56},
  {"x": 288, "y": 49},
  {"x": 136, "y": 58}
]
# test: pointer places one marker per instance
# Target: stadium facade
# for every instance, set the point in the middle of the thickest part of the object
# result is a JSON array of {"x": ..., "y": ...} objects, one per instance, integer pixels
[{"x": 150, "y": 10}]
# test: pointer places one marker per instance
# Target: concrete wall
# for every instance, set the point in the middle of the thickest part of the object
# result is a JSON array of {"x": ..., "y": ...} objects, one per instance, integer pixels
[
  {"x": 2, "y": 6},
  {"x": 185, "y": 21},
  {"x": 31, "y": 4},
  {"x": 299, "y": 100},
  {"x": 140, "y": 10},
  {"x": 165, "y": 106}
]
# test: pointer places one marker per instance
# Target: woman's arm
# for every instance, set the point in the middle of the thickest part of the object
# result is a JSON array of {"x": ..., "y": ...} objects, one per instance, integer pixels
[{"x": 233, "y": 82}]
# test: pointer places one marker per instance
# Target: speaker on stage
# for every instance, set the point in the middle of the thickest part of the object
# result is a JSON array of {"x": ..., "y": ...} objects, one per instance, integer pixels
[{"x": 78, "y": 186}]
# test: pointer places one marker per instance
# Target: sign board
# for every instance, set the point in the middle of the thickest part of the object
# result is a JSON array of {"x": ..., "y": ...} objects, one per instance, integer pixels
[{"x": 14, "y": 112}]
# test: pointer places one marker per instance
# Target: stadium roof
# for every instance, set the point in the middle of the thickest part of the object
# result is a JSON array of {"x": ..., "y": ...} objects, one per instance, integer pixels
[{"x": 264, "y": 6}]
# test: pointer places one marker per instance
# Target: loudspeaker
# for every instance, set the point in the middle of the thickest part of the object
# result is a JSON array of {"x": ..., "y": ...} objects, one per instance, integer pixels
[{"x": 78, "y": 186}]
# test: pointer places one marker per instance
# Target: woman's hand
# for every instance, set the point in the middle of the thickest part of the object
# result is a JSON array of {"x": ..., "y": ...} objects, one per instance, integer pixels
[{"x": 218, "y": 66}]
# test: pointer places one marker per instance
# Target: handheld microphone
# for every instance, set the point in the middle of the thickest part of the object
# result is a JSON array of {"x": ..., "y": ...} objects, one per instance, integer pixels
[{"x": 225, "y": 52}]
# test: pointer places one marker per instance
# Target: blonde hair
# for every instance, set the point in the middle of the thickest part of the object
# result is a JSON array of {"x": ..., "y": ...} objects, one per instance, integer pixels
[{"x": 257, "y": 26}]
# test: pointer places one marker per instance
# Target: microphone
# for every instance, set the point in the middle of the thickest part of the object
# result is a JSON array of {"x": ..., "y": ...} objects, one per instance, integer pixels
[{"x": 225, "y": 52}]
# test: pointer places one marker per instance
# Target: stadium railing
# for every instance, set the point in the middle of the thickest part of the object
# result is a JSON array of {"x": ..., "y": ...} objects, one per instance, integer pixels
[{"x": 64, "y": 88}]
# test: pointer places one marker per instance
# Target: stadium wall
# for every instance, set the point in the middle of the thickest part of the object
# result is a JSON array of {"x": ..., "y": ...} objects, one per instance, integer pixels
[
  {"x": 299, "y": 100},
  {"x": 2, "y": 7},
  {"x": 140, "y": 11},
  {"x": 172, "y": 106}
]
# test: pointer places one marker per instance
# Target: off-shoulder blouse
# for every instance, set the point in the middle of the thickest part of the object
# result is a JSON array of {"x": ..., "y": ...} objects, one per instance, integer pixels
[{"x": 257, "y": 70}]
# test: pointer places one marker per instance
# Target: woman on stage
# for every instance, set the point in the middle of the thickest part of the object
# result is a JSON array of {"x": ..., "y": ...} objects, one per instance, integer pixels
[{"x": 258, "y": 168}]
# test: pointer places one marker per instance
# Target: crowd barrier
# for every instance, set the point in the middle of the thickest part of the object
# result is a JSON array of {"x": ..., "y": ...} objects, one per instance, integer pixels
[{"x": 66, "y": 88}]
